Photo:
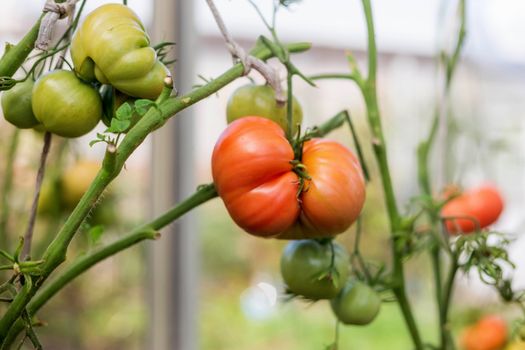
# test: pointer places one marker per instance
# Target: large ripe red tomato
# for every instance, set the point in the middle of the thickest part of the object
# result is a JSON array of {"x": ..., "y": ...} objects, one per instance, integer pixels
[
  {"x": 489, "y": 333},
  {"x": 253, "y": 174},
  {"x": 483, "y": 204}
]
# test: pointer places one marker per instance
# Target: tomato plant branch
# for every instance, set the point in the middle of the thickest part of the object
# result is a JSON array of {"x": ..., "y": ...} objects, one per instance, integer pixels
[
  {"x": 354, "y": 77},
  {"x": 14, "y": 56},
  {"x": 142, "y": 233},
  {"x": 450, "y": 62},
  {"x": 7, "y": 186},
  {"x": 443, "y": 292},
  {"x": 447, "y": 296},
  {"x": 270, "y": 74},
  {"x": 55, "y": 254},
  {"x": 370, "y": 95},
  {"x": 28, "y": 236}
]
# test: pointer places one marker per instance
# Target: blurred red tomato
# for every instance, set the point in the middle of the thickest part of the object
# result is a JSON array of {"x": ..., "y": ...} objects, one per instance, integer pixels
[
  {"x": 482, "y": 205},
  {"x": 489, "y": 333}
]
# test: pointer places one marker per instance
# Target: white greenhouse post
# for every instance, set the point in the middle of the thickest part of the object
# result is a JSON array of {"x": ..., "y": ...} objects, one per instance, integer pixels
[{"x": 173, "y": 261}]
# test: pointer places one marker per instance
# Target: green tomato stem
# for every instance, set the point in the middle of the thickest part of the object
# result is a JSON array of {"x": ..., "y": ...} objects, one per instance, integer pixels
[
  {"x": 443, "y": 292},
  {"x": 16, "y": 55},
  {"x": 370, "y": 95},
  {"x": 446, "y": 337},
  {"x": 82, "y": 264},
  {"x": 289, "y": 107},
  {"x": 436, "y": 268},
  {"x": 55, "y": 254}
]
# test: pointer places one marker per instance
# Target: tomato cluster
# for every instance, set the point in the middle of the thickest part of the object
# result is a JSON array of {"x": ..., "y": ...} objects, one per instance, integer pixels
[
  {"x": 307, "y": 191},
  {"x": 111, "y": 47},
  {"x": 316, "y": 270}
]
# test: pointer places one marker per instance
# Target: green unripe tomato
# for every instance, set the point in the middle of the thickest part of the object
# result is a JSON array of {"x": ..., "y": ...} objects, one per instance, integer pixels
[
  {"x": 65, "y": 105},
  {"x": 16, "y": 104},
  {"x": 306, "y": 268},
  {"x": 259, "y": 100},
  {"x": 112, "y": 46},
  {"x": 357, "y": 304}
]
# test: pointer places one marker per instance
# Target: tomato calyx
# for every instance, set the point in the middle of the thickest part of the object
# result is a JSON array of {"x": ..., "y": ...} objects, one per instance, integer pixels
[
  {"x": 330, "y": 274},
  {"x": 304, "y": 179}
]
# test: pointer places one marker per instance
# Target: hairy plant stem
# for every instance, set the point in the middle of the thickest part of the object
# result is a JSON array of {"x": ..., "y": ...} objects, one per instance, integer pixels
[
  {"x": 114, "y": 161},
  {"x": 370, "y": 95},
  {"x": 446, "y": 337},
  {"x": 82, "y": 264},
  {"x": 7, "y": 187}
]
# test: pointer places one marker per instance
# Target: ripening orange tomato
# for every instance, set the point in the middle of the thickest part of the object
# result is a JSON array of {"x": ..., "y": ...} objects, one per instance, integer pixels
[
  {"x": 254, "y": 176},
  {"x": 489, "y": 333},
  {"x": 483, "y": 204}
]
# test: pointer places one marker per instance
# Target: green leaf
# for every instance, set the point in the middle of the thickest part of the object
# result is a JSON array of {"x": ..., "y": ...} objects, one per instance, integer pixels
[
  {"x": 94, "y": 234},
  {"x": 143, "y": 105},
  {"x": 100, "y": 138},
  {"x": 124, "y": 112},
  {"x": 118, "y": 126},
  {"x": 94, "y": 142}
]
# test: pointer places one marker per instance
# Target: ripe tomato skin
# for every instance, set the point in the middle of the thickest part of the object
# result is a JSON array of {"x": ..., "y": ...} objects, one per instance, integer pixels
[
  {"x": 65, "y": 105},
  {"x": 252, "y": 173},
  {"x": 16, "y": 105},
  {"x": 304, "y": 261},
  {"x": 356, "y": 304},
  {"x": 483, "y": 203},
  {"x": 259, "y": 100},
  {"x": 489, "y": 333},
  {"x": 112, "y": 47},
  {"x": 336, "y": 193}
]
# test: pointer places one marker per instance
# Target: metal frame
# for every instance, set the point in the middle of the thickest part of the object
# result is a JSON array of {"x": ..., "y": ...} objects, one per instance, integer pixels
[{"x": 173, "y": 260}]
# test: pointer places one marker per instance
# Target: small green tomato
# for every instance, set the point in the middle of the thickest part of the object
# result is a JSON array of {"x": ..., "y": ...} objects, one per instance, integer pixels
[
  {"x": 259, "y": 100},
  {"x": 16, "y": 105},
  {"x": 65, "y": 105}
]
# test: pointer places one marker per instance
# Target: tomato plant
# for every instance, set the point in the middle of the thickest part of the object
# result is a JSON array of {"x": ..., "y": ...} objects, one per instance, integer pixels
[
  {"x": 65, "y": 105},
  {"x": 356, "y": 304},
  {"x": 476, "y": 208},
  {"x": 272, "y": 185},
  {"x": 314, "y": 269},
  {"x": 112, "y": 47},
  {"x": 489, "y": 333},
  {"x": 16, "y": 105},
  {"x": 259, "y": 100},
  {"x": 253, "y": 171}
]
